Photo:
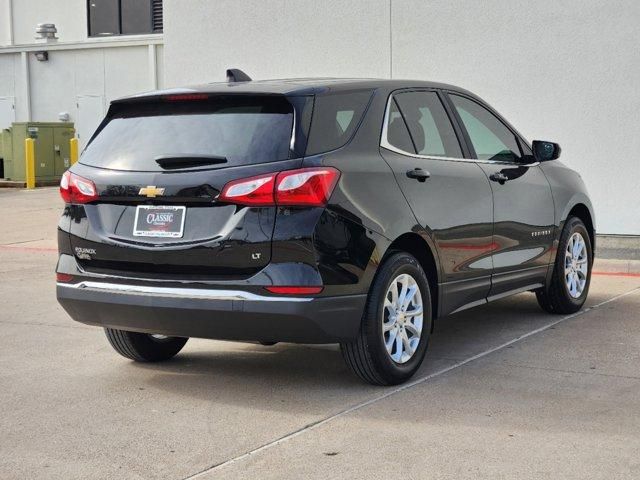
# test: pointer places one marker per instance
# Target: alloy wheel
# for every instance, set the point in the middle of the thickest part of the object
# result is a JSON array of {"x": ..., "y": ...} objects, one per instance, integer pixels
[
  {"x": 576, "y": 265},
  {"x": 402, "y": 318}
]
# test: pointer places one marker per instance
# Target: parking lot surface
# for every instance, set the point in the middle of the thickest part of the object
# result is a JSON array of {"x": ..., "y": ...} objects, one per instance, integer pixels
[{"x": 506, "y": 391}]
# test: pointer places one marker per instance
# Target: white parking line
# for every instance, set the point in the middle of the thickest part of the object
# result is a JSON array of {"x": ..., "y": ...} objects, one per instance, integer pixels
[{"x": 393, "y": 391}]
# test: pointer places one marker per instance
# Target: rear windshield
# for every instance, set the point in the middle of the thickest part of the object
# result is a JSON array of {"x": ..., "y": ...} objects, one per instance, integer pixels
[
  {"x": 336, "y": 117},
  {"x": 232, "y": 130}
]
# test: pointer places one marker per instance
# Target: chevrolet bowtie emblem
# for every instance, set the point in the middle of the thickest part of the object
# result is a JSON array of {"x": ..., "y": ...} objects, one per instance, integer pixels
[{"x": 151, "y": 191}]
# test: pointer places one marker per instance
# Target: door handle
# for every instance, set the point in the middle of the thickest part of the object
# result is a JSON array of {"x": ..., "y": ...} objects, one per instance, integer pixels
[
  {"x": 418, "y": 174},
  {"x": 498, "y": 177}
]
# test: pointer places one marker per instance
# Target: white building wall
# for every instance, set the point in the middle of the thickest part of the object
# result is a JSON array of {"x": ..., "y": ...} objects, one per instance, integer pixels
[
  {"x": 275, "y": 38},
  {"x": 563, "y": 71},
  {"x": 78, "y": 66},
  {"x": 70, "y": 17}
]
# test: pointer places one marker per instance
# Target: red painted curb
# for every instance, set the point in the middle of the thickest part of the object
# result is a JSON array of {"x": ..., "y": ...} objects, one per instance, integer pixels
[
  {"x": 28, "y": 249},
  {"x": 617, "y": 274}
]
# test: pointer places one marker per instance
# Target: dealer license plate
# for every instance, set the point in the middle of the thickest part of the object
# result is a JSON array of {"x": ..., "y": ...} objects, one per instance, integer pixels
[{"x": 159, "y": 221}]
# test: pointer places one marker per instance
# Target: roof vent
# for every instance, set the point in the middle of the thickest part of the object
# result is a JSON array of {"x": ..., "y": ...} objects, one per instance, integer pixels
[
  {"x": 237, "y": 75},
  {"x": 46, "y": 32}
]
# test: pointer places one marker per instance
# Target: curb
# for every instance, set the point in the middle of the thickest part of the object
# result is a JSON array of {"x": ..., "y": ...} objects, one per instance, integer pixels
[{"x": 611, "y": 266}]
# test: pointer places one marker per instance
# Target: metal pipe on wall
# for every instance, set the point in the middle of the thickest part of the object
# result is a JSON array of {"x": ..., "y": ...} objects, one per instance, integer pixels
[{"x": 10, "y": 20}]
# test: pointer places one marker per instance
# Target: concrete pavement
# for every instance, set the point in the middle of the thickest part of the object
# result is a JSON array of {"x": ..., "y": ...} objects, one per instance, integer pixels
[{"x": 563, "y": 402}]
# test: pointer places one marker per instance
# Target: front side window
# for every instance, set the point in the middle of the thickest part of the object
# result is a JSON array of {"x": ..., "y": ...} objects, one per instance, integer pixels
[
  {"x": 117, "y": 17},
  {"x": 490, "y": 138},
  {"x": 429, "y": 125}
]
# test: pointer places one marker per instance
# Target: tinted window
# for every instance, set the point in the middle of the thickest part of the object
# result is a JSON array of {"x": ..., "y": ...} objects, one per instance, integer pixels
[
  {"x": 245, "y": 130},
  {"x": 116, "y": 17},
  {"x": 136, "y": 17},
  {"x": 490, "y": 138},
  {"x": 335, "y": 119},
  {"x": 104, "y": 17},
  {"x": 429, "y": 124},
  {"x": 397, "y": 133}
]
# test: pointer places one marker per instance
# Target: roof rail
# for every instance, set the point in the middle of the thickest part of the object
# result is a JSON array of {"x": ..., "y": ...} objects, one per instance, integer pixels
[{"x": 237, "y": 75}]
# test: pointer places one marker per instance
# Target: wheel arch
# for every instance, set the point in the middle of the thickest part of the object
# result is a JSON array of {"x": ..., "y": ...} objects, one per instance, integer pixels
[
  {"x": 418, "y": 246},
  {"x": 581, "y": 211}
]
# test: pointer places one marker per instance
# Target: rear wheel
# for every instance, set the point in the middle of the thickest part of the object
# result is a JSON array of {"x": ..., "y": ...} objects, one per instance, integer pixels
[
  {"x": 144, "y": 347},
  {"x": 396, "y": 324},
  {"x": 571, "y": 277}
]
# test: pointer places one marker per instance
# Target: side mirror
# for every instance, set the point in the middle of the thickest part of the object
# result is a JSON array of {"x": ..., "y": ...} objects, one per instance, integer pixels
[{"x": 545, "y": 151}]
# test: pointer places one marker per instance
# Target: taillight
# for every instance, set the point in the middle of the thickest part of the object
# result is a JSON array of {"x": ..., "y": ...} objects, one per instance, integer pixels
[
  {"x": 255, "y": 191},
  {"x": 305, "y": 187},
  {"x": 77, "y": 189}
]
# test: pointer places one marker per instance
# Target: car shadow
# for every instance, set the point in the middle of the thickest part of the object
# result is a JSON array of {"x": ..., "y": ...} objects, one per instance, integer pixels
[{"x": 293, "y": 377}]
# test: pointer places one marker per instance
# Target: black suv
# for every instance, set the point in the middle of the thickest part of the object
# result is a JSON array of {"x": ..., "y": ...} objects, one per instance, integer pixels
[{"x": 314, "y": 211}]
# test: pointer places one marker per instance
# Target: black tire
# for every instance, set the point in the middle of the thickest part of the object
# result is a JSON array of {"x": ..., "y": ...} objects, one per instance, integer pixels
[
  {"x": 143, "y": 347},
  {"x": 367, "y": 355},
  {"x": 556, "y": 298}
]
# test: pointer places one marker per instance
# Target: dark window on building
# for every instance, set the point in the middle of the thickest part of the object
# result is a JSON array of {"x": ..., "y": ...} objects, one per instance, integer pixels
[
  {"x": 429, "y": 124},
  {"x": 124, "y": 17}
]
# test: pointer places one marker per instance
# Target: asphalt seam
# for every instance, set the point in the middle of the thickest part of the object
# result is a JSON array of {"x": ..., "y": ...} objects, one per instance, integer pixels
[
  {"x": 406, "y": 386},
  {"x": 33, "y": 324},
  {"x": 560, "y": 370}
]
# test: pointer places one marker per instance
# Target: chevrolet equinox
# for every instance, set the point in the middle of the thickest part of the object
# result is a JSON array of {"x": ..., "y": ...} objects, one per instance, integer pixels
[{"x": 314, "y": 211}]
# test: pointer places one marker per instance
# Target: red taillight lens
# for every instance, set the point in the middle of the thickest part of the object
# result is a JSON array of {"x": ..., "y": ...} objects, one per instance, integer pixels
[
  {"x": 64, "y": 277},
  {"x": 294, "y": 290},
  {"x": 254, "y": 191},
  {"x": 306, "y": 187},
  {"x": 76, "y": 189}
]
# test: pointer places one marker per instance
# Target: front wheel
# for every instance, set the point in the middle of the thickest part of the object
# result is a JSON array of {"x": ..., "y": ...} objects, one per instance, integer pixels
[
  {"x": 571, "y": 276},
  {"x": 396, "y": 324},
  {"x": 144, "y": 347}
]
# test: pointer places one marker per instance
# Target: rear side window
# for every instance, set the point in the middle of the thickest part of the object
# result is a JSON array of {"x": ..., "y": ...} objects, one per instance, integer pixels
[
  {"x": 242, "y": 130},
  {"x": 429, "y": 124},
  {"x": 491, "y": 139},
  {"x": 336, "y": 117},
  {"x": 397, "y": 133}
]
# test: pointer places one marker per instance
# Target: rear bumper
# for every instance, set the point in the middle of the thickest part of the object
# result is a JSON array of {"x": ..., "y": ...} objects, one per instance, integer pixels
[{"x": 213, "y": 313}]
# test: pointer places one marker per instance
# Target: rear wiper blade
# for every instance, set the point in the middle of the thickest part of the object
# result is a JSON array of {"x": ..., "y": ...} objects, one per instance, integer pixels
[{"x": 172, "y": 162}]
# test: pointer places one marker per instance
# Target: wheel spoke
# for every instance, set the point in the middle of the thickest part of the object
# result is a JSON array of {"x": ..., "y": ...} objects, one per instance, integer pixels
[
  {"x": 392, "y": 338},
  {"x": 414, "y": 312},
  {"x": 394, "y": 294},
  {"x": 399, "y": 348},
  {"x": 411, "y": 293},
  {"x": 413, "y": 329},
  {"x": 577, "y": 246},
  {"x": 570, "y": 246},
  {"x": 403, "y": 293},
  {"x": 407, "y": 344}
]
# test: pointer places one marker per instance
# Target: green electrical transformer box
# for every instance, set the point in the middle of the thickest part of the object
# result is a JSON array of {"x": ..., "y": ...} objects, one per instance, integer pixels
[{"x": 52, "y": 149}]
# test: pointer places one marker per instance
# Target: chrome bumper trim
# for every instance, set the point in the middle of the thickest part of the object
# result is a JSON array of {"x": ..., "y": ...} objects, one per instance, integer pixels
[{"x": 196, "y": 293}]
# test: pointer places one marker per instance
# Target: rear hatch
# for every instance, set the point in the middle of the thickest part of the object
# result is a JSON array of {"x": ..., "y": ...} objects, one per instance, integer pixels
[{"x": 159, "y": 164}]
